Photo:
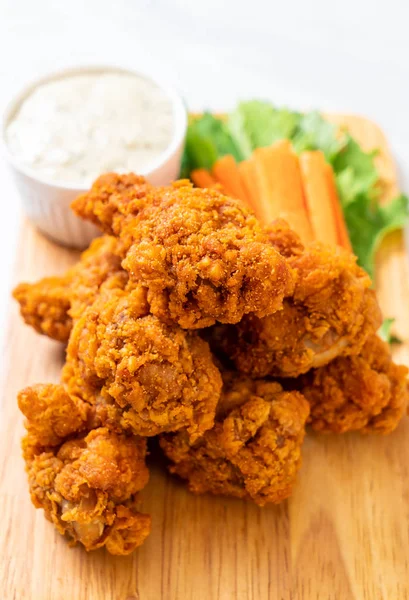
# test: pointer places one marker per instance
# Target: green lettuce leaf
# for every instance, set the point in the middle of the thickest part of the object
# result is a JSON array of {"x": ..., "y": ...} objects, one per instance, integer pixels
[
  {"x": 355, "y": 171},
  {"x": 256, "y": 124},
  {"x": 315, "y": 133},
  {"x": 185, "y": 166},
  {"x": 207, "y": 139},
  {"x": 368, "y": 223},
  {"x": 385, "y": 333}
]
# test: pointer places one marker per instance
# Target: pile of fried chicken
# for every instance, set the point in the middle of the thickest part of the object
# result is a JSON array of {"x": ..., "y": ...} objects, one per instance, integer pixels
[{"x": 190, "y": 321}]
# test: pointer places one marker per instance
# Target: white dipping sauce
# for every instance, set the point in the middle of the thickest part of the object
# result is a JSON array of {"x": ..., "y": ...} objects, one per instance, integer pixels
[{"x": 75, "y": 128}]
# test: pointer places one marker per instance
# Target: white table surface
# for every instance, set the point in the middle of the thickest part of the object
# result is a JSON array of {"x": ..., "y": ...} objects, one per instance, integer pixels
[{"x": 351, "y": 56}]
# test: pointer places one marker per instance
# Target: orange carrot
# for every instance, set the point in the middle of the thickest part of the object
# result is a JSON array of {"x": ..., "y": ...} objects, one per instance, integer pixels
[
  {"x": 280, "y": 190},
  {"x": 318, "y": 198},
  {"x": 247, "y": 170},
  {"x": 202, "y": 178},
  {"x": 226, "y": 172},
  {"x": 342, "y": 231},
  {"x": 322, "y": 200}
]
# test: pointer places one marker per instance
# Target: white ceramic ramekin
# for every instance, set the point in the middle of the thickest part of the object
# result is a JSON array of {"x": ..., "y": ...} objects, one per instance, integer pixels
[{"x": 47, "y": 202}]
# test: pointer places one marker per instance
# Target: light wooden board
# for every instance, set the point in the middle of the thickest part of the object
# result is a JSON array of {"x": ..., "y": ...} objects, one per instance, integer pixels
[{"x": 343, "y": 535}]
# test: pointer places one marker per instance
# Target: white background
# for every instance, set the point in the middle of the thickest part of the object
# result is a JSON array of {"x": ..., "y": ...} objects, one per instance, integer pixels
[{"x": 349, "y": 56}]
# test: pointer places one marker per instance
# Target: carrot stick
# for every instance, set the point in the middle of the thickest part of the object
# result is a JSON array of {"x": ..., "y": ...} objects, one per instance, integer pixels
[
  {"x": 247, "y": 170},
  {"x": 226, "y": 172},
  {"x": 323, "y": 205},
  {"x": 342, "y": 231},
  {"x": 317, "y": 194},
  {"x": 280, "y": 190},
  {"x": 202, "y": 178}
]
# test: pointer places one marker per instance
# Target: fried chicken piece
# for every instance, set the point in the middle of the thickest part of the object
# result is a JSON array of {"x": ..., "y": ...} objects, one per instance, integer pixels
[
  {"x": 202, "y": 256},
  {"x": 85, "y": 480},
  {"x": 51, "y": 414},
  {"x": 44, "y": 306},
  {"x": 142, "y": 375},
  {"x": 367, "y": 392},
  {"x": 331, "y": 313},
  {"x": 51, "y": 304},
  {"x": 254, "y": 448},
  {"x": 111, "y": 199},
  {"x": 284, "y": 239},
  {"x": 99, "y": 266}
]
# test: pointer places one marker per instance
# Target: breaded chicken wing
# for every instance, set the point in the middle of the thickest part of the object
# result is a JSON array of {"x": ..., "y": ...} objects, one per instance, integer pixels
[
  {"x": 202, "y": 256},
  {"x": 45, "y": 306},
  {"x": 367, "y": 392},
  {"x": 51, "y": 304},
  {"x": 112, "y": 199},
  {"x": 142, "y": 375},
  {"x": 254, "y": 448},
  {"x": 330, "y": 313},
  {"x": 284, "y": 239},
  {"x": 85, "y": 480}
]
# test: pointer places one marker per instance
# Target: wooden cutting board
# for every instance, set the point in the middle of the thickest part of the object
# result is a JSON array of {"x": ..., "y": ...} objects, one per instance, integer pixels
[{"x": 343, "y": 535}]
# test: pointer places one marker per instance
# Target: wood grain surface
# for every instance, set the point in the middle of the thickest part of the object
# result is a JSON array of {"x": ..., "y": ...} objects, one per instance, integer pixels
[{"x": 343, "y": 535}]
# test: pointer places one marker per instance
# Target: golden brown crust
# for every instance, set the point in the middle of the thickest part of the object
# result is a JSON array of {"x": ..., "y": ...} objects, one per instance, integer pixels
[
  {"x": 183, "y": 257},
  {"x": 367, "y": 392},
  {"x": 86, "y": 482},
  {"x": 254, "y": 448},
  {"x": 110, "y": 198},
  {"x": 44, "y": 306},
  {"x": 51, "y": 304},
  {"x": 51, "y": 414},
  {"x": 202, "y": 256},
  {"x": 331, "y": 313},
  {"x": 143, "y": 375},
  {"x": 205, "y": 258},
  {"x": 99, "y": 266},
  {"x": 286, "y": 241}
]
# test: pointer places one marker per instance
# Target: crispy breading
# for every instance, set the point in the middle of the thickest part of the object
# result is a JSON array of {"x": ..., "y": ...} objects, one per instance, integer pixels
[
  {"x": 51, "y": 304},
  {"x": 99, "y": 265},
  {"x": 51, "y": 414},
  {"x": 254, "y": 448},
  {"x": 330, "y": 313},
  {"x": 202, "y": 256},
  {"x": 111, "y": 198},
  {"x": 85, "y": 481},
  {"x": 284, "y": 239},
  {"x": 368, "y": 392},
  {"x": 44, "y": 305},
  {"x": 179, "y": 259},
  {"x": 143, "y": 375}
]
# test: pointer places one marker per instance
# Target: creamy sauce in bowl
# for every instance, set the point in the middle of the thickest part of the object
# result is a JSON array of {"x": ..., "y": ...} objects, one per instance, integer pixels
[{"x": 74, "y": 128}]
